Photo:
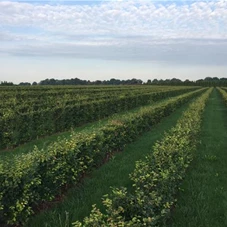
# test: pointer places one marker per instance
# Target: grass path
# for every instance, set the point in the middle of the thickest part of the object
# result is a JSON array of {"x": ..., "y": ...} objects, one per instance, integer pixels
[
  {"x": 78, "y": 202},
  {"x": 202, "y": 201}
]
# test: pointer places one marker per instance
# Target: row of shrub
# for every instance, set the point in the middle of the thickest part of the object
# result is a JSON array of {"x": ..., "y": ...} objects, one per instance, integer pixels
[
  {"x": 223, "y": 93},
  {"x": 22, "y": 94},
  {"x": 29, "y": 103},
  {"x": 155, "y": 180},
  {"x": 38, "y": 176},
  {"x": 17, "y": 128},
  {"x": 11, "y": 98}
]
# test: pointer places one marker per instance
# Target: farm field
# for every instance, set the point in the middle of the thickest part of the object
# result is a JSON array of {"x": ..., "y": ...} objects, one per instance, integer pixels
[
  {"x": 28, "y": 114},
  {"x": 79, "y": 201},
  {"x": 138, "y": 146}
]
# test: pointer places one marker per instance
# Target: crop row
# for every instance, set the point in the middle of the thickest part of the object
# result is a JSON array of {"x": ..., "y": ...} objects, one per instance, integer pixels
[
  {"x": 156, "y": 179},
  {"x": 29, "y": 179},
  {"x": 40, "y": 92},
  {"x": 30, "y": 103},
  {"x": 44, "y": 97},
  {"x": 17, "y": 128},
  {"x": 224, "y": 94}
]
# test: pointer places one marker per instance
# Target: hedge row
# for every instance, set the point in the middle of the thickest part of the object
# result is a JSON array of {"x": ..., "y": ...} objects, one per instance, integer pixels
[
  {"x": 40, "y": 175},
  {"x": 17, "y": 128},
  {"x": 40, "y": 93},
  {"x": 155, "y": 179},
  {"x": 9, "y": 98},
  {"x": 224, "y": 94},
  {"x": 29, "y": 103}
]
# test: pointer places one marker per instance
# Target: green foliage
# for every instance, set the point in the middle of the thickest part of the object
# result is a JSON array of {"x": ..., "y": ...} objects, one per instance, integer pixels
[
  {"x": 40, "y": 175},
  {"x": 156, "y": 180},
  {"x": 223, "y": 92},
  {"x": 27, "y": 114},
  {"x": 202, "y": 198}
]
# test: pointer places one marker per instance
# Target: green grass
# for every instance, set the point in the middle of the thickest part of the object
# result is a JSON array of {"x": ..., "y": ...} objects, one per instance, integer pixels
[
  {"x": 202, "y": 201},
  {"x": 77, "y": 204}
]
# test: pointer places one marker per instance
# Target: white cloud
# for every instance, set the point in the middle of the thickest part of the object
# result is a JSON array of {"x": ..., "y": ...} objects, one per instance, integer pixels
[
  {"x": 117, "y": 30},
  {"x": 127, "y": 17}
]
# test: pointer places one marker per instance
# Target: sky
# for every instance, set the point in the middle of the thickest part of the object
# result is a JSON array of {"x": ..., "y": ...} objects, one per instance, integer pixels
[{"x": 100, "y": 40}]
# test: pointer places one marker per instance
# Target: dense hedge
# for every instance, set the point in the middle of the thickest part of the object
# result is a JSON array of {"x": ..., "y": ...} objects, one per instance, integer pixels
[
  {"x": 155, "y": 179},
  {"x": 224, "y": 94},
  {"x": 19, "y": 126},
  {"x": 39, "y": 175},
  {"x": 21, "y": 96}
]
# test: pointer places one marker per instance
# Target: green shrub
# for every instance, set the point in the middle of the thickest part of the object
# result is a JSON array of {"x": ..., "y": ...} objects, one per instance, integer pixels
[{"x": 155, "y": 180}]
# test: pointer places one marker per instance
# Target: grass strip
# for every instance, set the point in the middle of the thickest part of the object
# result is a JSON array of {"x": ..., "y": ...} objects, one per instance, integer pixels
[{"x": 202, "y": 200}]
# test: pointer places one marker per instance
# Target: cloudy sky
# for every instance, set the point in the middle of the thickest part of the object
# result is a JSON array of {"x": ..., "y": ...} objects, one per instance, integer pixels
[{"x": 99, "y": 40}]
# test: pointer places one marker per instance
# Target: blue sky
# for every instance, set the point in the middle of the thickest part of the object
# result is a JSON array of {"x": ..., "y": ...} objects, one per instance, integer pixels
[{"x": 97, "y": 40}]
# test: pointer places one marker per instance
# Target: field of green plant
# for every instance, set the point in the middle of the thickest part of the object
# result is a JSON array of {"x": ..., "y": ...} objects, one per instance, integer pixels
[
  {"x": 113, "y": 156},
  {"x": 30, "y": 113}
]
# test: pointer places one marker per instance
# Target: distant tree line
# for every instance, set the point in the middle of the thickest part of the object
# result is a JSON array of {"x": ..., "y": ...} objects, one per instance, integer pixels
[
  {"x": 208, "y": 82},
  {"x": 5, "y": 83},
  {"x": 77, "y": 81}
]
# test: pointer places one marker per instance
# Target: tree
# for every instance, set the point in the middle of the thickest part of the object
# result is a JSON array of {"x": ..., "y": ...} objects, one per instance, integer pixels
[
  {"x": 149, "y": 82},
  {"x": 5, "y": 83},
  {"x": 24, "y": 84}
]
